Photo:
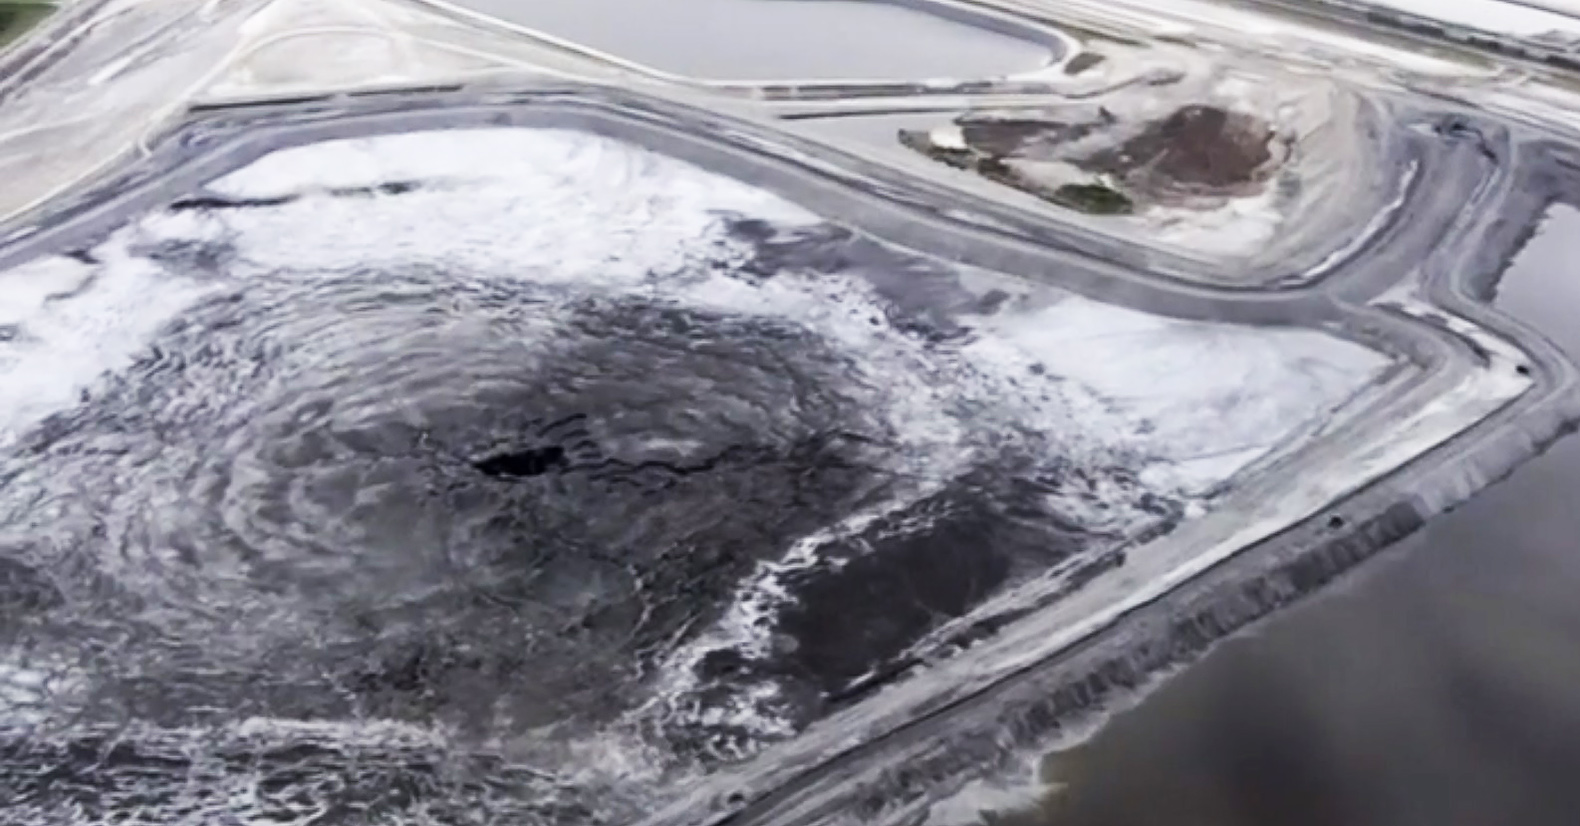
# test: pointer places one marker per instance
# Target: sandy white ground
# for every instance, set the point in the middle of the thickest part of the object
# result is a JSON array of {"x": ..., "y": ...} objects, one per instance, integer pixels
[{"x": 1523, "y": 20}]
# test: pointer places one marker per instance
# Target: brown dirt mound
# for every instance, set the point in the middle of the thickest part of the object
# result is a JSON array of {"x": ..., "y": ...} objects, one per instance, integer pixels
[{"x": 1196, "y": 147}]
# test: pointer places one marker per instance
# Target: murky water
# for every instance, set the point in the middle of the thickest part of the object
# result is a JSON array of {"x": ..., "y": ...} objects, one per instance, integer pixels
[
  {"x": 778, "y": 39},
  {"x": 542, "y": 474},
  {"x": 1441, "y": 687}
]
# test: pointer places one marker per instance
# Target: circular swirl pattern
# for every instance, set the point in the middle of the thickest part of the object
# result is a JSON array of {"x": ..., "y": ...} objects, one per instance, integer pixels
[
  {"x": 506, "y": 498},
  {"x": 603, "y": 476}
]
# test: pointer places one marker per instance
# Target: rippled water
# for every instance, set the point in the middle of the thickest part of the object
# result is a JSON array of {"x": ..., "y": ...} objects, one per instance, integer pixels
[
  {"x": 1438, "y": 688},
  {"x": 524, "y": 474}
]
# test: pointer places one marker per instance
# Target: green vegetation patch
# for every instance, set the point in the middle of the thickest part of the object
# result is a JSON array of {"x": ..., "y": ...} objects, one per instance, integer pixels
[
  {"x": 17, "y": 18},
  {"x": 1090, "y": 198},
  {"x": 1093, "y": 199}
]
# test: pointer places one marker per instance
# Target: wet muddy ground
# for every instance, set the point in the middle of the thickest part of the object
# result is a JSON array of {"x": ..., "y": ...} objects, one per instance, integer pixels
[
  {"x": 1437, "y": 687},
  {"x": 1088, "y": 160}
]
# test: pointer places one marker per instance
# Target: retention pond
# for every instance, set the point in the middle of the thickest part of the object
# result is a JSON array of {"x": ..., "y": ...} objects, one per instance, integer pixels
[
  {"x": 787, "y": 39},
  {"x": 1438, "y": 688}
]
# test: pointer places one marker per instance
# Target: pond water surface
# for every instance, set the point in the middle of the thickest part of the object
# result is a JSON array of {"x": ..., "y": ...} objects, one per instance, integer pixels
[
  {"x": 778, "y": 39},
  {"x": 1442, "y": 686}
]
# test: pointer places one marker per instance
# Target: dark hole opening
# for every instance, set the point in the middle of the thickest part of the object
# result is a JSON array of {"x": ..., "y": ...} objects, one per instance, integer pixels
[{"x": 523, "y": 463}]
